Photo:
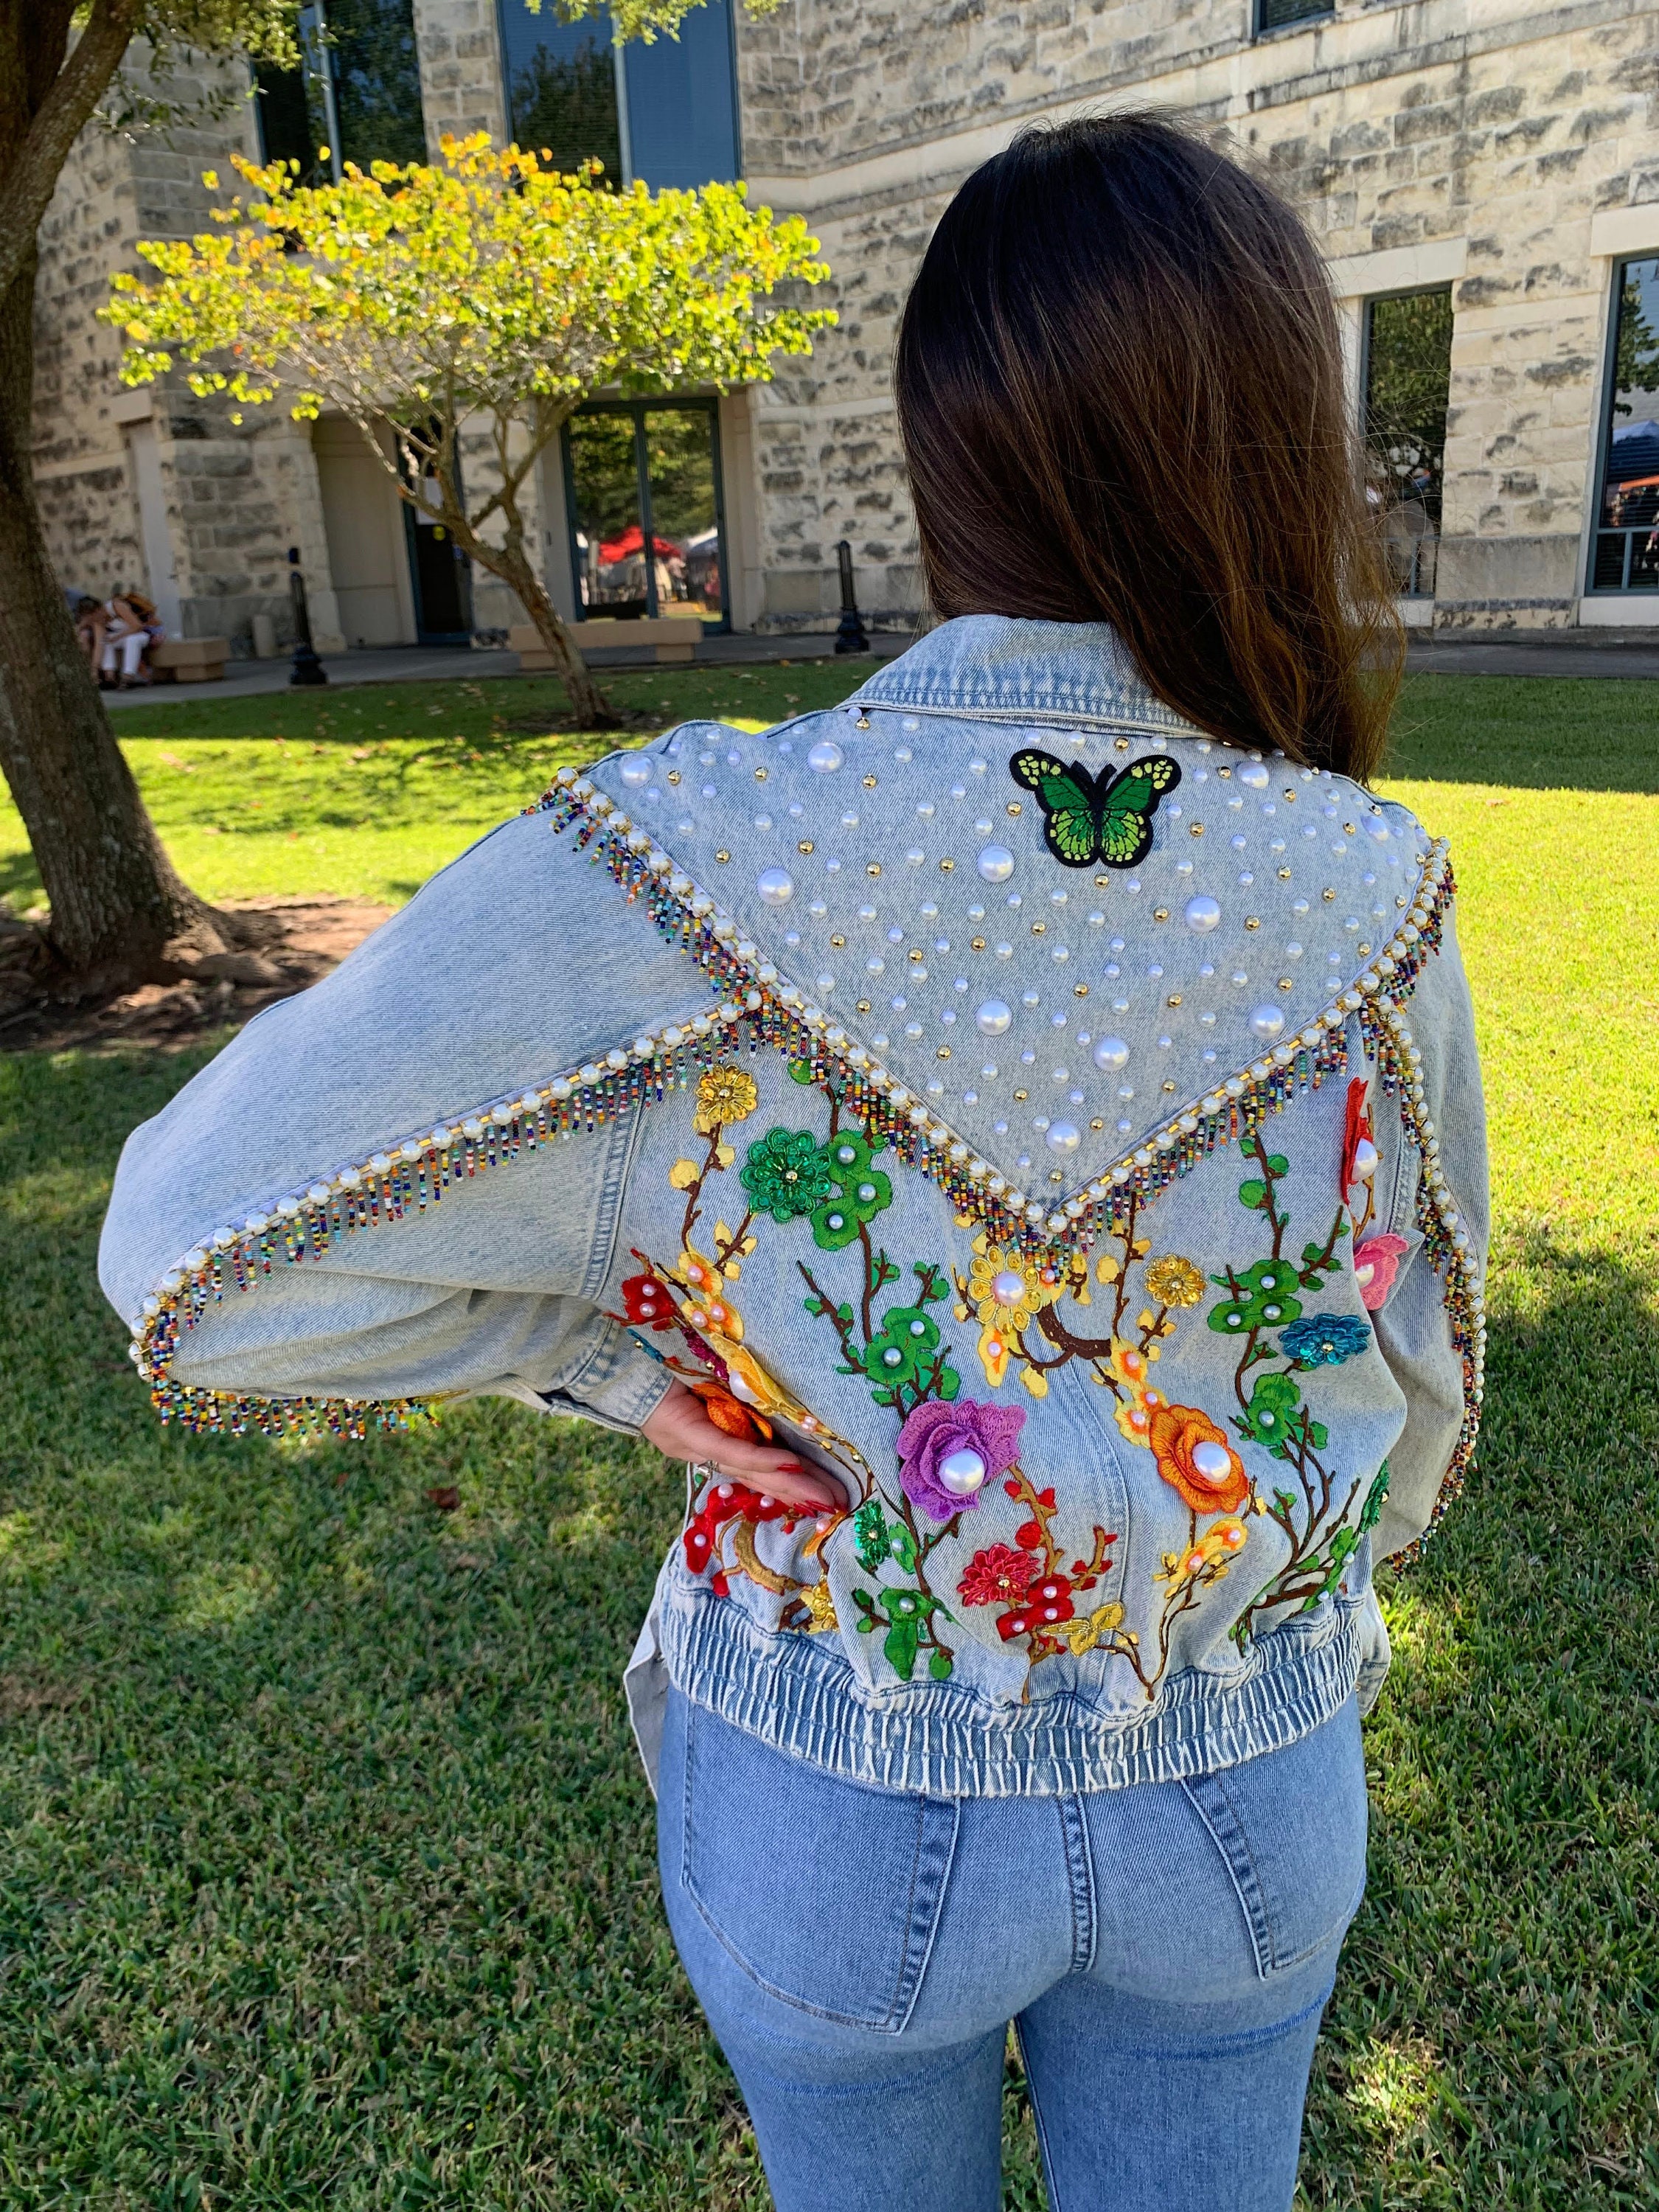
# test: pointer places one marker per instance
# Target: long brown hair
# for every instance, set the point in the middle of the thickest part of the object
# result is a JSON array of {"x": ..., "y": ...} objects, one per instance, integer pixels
[{"x": 1120, "y": 388}]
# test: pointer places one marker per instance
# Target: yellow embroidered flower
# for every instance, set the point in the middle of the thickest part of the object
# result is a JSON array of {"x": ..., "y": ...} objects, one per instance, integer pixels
[
  {"x": 1137, "y": 1400},
  {"x": 1173, "y": 1281},
  {"x": 1009, "y": 1291},
  {"x": 707, "y": 1309},
  {"x": 993, "y": 1354},
  {"x": 1084, "y": 1635},
  {"x": 1208, "y": 1558},
  {"x": 820, "y": 1606},
  {"x": 725, "y": 1095}
]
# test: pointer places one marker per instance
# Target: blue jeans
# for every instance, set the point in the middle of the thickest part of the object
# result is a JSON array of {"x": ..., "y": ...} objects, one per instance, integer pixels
[{"x": 1164, "y": 1953}]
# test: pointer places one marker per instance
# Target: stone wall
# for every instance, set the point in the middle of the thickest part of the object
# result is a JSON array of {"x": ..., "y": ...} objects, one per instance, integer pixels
[{"x": 1504, "y": 133}]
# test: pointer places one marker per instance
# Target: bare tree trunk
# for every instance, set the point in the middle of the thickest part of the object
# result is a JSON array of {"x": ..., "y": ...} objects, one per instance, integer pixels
[
  {"x": 115, "y": 897},
  {"x": 512, "y": 564}
]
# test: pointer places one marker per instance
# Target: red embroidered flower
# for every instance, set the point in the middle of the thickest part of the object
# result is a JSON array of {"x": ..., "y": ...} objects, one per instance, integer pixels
[
  {"x": 1044, "y": 1607},
  {"x": 647, "y": 1304},
  {"x": 997, "y": 1575},
  {"x": 1358, "y": 1146},
  {"x": 1375, "y": 1264}
]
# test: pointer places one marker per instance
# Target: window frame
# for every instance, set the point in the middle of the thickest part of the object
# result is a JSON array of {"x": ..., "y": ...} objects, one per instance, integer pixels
[
  {"x": 1260, "y": 28},
  {"x": 1367, "y": 301},
  {"x": 1590, "y": 589},
  {"x": 657, "y": 403}
]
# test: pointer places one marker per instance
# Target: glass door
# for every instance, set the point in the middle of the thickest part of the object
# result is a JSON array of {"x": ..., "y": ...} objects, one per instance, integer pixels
[
  {"x": 647, "y": 535},
  {"x": 442, "y": 578},
  {"x": 1626, "y": 551}
]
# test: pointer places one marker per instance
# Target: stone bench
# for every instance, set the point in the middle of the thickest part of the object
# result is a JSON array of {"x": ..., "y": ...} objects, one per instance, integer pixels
[
  {"x": 189, "y": 660},
  {"x": 669, "y": 637}
]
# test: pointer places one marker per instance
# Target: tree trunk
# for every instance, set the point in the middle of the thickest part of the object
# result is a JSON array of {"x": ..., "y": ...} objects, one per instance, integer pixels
[
  {"x": 115, "y": 897},
  {"x": 512, "y": 564}
]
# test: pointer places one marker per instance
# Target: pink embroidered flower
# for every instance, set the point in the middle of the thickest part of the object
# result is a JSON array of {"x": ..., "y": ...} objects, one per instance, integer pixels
[
  {"x": 997, "y": 1575},
  {"x": 947, "y": 1454},
  {"x": 1375, "y": 1264}
]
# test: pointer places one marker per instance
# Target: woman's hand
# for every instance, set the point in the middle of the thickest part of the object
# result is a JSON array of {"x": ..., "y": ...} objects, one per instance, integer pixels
[{"x": 682, "y": 1430}]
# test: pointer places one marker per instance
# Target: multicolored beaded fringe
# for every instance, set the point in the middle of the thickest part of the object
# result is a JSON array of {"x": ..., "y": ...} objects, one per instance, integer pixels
[{"x": 757, "y": 1009}]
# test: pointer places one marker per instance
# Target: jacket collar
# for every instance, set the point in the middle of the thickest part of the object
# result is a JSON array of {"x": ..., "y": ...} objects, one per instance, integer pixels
[{"x": 1065, "y": 674}]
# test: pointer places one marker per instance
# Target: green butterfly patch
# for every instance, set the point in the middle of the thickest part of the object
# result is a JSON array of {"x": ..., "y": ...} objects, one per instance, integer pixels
[{"x": 1088, "y": 817}]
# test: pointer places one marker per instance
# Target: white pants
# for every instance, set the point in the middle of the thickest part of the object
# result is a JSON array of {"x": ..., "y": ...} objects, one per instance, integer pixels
[{"x": 130, "y": 645}]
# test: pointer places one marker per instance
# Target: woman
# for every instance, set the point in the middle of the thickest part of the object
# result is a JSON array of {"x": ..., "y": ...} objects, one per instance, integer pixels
[
  {"x": 130, "y": 627},
  {"x": 1046, "y": 1208}
]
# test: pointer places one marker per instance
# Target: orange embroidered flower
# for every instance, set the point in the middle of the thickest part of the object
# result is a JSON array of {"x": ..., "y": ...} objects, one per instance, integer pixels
[
  {"x": 731, "y": 1418},
  {"x": 1194, "y": 1457}
]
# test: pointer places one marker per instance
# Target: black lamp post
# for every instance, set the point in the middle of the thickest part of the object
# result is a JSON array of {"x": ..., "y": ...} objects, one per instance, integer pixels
[
  {"x": 849, "y": 635},
  {"x": 307, "y": 668}
]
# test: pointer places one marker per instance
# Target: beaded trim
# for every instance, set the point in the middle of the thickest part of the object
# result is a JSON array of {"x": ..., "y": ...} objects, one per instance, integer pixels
[{"x": 760, "y": 1008}]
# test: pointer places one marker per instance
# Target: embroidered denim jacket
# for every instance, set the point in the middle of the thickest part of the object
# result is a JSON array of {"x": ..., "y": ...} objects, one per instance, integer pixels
[{"x": 1064, "y": 1127}]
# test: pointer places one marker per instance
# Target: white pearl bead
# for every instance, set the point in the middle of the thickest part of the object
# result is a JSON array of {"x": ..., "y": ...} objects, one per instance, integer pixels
[
  {"x": 776, "y": 885},
  {"x": 1111, "y": 1055},
  {"x": 993, "y": 1017},
  {"x": 1213, "y": 1462},
  {"x": 826, "y": 756},
  {"x": 1253, "y": 774},
  {"x": 1202, "y": 914},
  {"x": 1365, "y": 1159},
  {"x": 996, "y": 864},
  {"x": 1064, "y": 1137},
  {"x": 1007, "y": 1287},
  {"x": 962, "y": 1473},
  {"x": 1267, "y": 1022},
  {"x": 635, "y": 773}
]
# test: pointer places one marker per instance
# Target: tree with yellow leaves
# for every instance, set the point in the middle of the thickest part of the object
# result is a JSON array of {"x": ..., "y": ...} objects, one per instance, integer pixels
[{"x": 489, "y": 296}]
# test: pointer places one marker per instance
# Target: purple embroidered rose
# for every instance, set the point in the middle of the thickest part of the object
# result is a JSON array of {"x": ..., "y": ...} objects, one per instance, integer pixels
[{"x": 947, "y": 1454}]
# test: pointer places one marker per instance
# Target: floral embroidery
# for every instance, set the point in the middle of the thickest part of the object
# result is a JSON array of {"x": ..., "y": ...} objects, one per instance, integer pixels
[
  {"x": 646, "y": 1304},
  {"x": 947, "y": 1452},
  {"x": 1000, "y": 1574},
  {"x": 1360, "y": 1159},
  {"x": 725, "y": 1095},
  {"x": 786, "y": 1174},
  {"x": 1194, "y": 1457},
  {"x": 1375, "y": 1264},
  {"x": 1326, "y": 1339},
  {"x": 1173, "y": 1281}
]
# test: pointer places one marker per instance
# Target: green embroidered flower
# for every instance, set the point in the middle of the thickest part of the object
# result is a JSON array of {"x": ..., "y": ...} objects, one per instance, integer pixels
[
  {"x": 870, "y": 1534},
  {"x": 897, "y": 1353},
  {"x": 786, "y": 1174},
  {"x": 1275, "y": 1414},
  {"x": 1265, "y": 1299},
  {"x": 861, "y": 1192},
  {"x": 1371, "y": 1511}
]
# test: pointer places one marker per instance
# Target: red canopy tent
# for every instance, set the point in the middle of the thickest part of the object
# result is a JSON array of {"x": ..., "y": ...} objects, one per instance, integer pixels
[{"x": 630, "y": 542}]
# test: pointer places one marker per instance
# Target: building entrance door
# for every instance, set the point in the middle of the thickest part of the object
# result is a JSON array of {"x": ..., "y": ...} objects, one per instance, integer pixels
[
  {"x": 648, "y": 525},
  {"x": 443, "y": 583}
]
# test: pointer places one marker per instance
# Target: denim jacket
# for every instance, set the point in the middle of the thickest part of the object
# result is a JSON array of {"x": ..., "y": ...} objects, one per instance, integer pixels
[{"x": 1062, "y": 1126}]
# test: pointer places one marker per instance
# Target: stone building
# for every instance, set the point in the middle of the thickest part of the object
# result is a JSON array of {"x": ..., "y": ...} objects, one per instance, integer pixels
[{"x": 1483, "y": 175}]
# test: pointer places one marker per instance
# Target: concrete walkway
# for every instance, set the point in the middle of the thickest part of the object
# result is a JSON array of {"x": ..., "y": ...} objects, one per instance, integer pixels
[
  {"x": 1547, "y": 653},
  {"x": 249, "y": 679}
]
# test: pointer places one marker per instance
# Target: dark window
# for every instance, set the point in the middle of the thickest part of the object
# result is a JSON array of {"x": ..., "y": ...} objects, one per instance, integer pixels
[
  {"x": 1408, "y": 378},
  {"x": 357, "y": 91},
  {"x": 562, "y": 87},
  {"x": 1276, "y": 14},
  {"x": 677, "y": 124},
  {"x": 1626, "y": 554},
  {"x": 639, "y": 473}
]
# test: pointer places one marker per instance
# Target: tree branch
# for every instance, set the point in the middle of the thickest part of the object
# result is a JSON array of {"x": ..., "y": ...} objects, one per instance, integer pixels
[{"x": 27, "y": 185}]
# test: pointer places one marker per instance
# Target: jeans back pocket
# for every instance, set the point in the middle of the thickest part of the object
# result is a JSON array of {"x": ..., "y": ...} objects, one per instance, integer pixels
[{"x": 826, "y": 1894}]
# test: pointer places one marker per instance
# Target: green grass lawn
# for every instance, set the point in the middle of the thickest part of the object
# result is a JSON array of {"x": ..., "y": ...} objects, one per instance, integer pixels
[{"x": 326, "y": 1875}]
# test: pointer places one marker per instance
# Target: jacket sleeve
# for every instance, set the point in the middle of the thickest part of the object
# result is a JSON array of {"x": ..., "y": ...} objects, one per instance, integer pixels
[
  {"x": 1433, "y": 1197},
  {"x": 509, "y": 970}
]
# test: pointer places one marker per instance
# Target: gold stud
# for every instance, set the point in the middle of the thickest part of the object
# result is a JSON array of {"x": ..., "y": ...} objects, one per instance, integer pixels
[
  {"x": 943, "y": 1052},
  {"x": 1097, "y": 1124},
  {"x": 1327, "y": 895},
  {"x": 978, "y": 944},
  {"x": 1103, "y": 882},
  {"x": 837, "y": 941},
  {"x": 1284, "y": 875},
  {"x": 1160, "y": 914},
  {"x": 805, "y": 845},
  {"x": 1349, "y": 829},
  {"x": 1194, "y": 829},
  {"x": 1020, "y": 1097},
  {"x": 673, "y": 775},
  {"x": 869, "y": 783},
  {"x": 1014, "y": 807},
  {"x": 872, "y": 867},
  {"x": 1224, "y": 773},
  {"x": 863, "y": 721},
  {"x": 760, "y": 776},
  {"x": 1253, "y": 921},
  {"x": 1122, "y": 745},
  {"x": 915, "y": 958},
  {"x": 1365, "y": 952},
  {"x": 1174, "y": 999},
  {"x": 1169, "y": 1086},
  {"x": 1039, "y": 929},
  {"x": 1056, "y": 1174},
  {"x": 1285, "y": 984},
  {"x": 722, "y": 857},
  {"x": 864, "y": 1005},
  {"x": 1079, "y": 990},
  {"x": 947, "y": 868}
]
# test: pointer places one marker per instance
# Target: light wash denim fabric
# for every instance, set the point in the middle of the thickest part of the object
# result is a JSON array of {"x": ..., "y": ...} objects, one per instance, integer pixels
[
  {"x": 1164, "y": 1955},
  {"x": 1093, "y": 1615}
]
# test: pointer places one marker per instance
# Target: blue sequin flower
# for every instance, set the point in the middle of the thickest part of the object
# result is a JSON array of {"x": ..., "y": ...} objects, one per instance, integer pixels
[{"x": 1325, "y": 1339}]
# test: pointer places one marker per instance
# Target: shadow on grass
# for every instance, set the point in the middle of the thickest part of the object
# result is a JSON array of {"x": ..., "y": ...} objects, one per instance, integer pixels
[
  {"x": 329, "y": 1870},
  {"x": 1542, "y": 733}
]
